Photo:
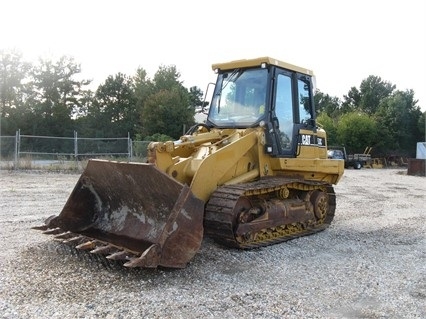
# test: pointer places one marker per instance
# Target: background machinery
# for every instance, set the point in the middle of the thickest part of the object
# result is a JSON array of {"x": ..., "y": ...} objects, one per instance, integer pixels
[
  {"x": 254, "y": 174},
  {"x": 357, "y": 160}
]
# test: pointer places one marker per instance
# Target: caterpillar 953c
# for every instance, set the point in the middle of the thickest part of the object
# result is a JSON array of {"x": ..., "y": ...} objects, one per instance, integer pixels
[{"x": 255, "y": 173}]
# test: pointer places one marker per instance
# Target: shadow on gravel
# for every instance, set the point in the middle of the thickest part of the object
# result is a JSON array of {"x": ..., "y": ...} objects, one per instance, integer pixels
[
  {"x": 54, "y": 257},
  {"x": 63, "y": 253}
]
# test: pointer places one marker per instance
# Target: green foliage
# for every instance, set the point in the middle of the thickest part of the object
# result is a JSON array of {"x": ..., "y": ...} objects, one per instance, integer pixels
[
  {"x": 13, "y": 72},
  {"x": 168, "y": 110},
  {"x": 367, "y": 99},
  {"x": 356, "y": 131},
  {"x": 422, "y": 125},
  {"x": 166, "y": 77},
  {"x": 46, "y": 99},
  {"x": 54, "y": 96},
  {"x": 40, "y": 99},
  {"x": 158, "y": 137},
  {"x": 143, "y": 87},
  {"x": 326, "y": 104},
  {"x": 113, "y": 111},
  {"x": 327, "y": 123},
  {"x": 352, "y": 100},
  {"x": 372, "y": 91},
  {"x": 398, "y": 118},
  {"x": 195, "y": 97}
]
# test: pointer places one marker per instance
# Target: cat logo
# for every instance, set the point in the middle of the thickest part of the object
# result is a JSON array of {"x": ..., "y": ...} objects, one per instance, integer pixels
[
  {"x": 311, "y": 140},
  {"x": 306, "y": 139}
]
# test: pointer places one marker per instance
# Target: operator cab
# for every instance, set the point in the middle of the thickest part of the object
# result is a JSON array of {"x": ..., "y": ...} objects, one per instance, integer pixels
[
  {"x": 264, "y": 92},
  {"x": 239, "y": 98}
]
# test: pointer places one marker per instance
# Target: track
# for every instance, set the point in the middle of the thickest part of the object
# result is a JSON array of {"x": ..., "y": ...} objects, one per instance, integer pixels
[{"x": 223, "y": 221}]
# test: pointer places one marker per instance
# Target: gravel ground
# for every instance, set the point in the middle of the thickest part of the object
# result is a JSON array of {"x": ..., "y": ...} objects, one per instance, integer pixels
[{"x": 370, "y": 263}]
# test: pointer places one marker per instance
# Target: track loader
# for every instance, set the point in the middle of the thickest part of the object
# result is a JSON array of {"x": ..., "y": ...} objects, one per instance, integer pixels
[{"x": 255, "y": 173}]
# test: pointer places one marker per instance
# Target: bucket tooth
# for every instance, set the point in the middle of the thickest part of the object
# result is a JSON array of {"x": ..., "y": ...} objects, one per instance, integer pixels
[
  {"x": 72, "y": 240},
  {"x": 104, "y": 250},
  {"x": 53, "y": 231},
  {"x": 87, "y": 245},
  {"x": 149, "y": 259},
  {"x": 119, "y": 255},
  {"x": 64, "y": 235},
  {"x": 42, "y": 227}
]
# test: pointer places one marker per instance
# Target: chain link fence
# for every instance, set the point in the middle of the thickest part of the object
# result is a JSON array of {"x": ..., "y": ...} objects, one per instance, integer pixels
[{"x": 52, "y": 152}]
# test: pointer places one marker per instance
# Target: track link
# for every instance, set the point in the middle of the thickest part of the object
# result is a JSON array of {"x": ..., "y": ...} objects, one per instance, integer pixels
[{"x": 222, "y": 214}]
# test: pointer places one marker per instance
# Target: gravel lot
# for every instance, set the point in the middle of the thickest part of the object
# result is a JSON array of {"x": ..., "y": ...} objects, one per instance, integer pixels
[{"x": 370, "y": 263}]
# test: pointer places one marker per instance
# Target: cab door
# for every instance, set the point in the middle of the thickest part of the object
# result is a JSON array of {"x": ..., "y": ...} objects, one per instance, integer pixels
[
  {"x": 283, "y": 115},
  {"x": 309, "y": 141},
  {"x": 292, "y": 113}
]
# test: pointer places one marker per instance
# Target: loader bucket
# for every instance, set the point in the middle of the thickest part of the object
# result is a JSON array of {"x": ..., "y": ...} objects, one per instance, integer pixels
[{"x": 137, "y": 210}]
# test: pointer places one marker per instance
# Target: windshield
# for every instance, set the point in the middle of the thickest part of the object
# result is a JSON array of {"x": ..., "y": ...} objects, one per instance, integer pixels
[{"x": 239, "y": 99}]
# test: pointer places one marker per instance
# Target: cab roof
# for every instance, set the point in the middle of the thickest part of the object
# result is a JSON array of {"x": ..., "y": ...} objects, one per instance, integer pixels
[{"x": 246, "y": 63}]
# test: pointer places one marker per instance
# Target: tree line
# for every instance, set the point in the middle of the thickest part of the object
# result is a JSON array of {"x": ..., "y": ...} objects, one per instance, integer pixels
[
  {"x": 49, "y": 99},
  {"x": 374, "y": 115}
]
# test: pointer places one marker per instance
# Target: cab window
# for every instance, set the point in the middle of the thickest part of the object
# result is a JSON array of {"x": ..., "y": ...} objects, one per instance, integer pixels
[
  {"x": 304, "y": 101},
  {"x": 284, "y": 111}
]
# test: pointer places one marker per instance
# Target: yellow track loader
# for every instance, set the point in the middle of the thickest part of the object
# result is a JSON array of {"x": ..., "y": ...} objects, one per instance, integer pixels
[{"x": 255, "y": 173}]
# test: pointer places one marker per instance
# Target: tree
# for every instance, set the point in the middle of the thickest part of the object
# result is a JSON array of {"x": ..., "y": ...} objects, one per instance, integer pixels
[
  {"x": 398, "y": 116},
  {"x": 422, "y": 126},
  {"x": 167, "y": 112},
  {"x": 351, "y": 101},
  {"x": 372, "y": 91},
  {"x": 143, "y": 88},
  {"x": 13, "y": 72},
  {"x": 55, "y": 96},
  {"x": 168, "y": 108},
  {"x": 113, "y": 112},
  {"x": 356, "y": 131},
  {"x": 195, "y": 97},
  {"x": 166, "y": 78},
  {"x": 328, "y": 124},
  {"x": 327, "y": 104},
  {"x": 367, "y": 99}
]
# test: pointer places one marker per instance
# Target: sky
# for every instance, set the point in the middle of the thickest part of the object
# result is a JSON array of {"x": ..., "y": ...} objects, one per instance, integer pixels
[{"x": 343, "y": 42}]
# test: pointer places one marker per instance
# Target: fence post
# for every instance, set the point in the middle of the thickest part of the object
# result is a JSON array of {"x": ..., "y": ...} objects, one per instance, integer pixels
[
  {"x": 17, "y": 147},
  {"x": 129, "y": 146},
  {"x": 75, "y": 146}
]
